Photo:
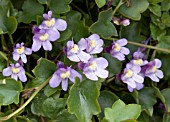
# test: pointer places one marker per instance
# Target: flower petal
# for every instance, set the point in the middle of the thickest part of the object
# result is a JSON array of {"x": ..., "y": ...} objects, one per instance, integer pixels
[
  {"x": 47, "y": 45},
  {"x": 7, "y": 71},
  {"x": 14, "y": 76},
  {"x": 53, "y": 35},
  {"x": 153, "y": 77},
  {"x": 22, "y": 76},
  {"x": 36, "y": 45},
  {"x": 130, "y": 82},
  {"x": 16, "y": 56},
  {"x": 119, "y": 56},
  {"x": 137, "y": 78},
  {"x": 101, "y": 62},
  {"x": 65, "y": 84},
  {"x": 82, "y": 44},
  {"x": 139, "y": 86},
  {"x": 124, "y": 50},
  {"x": 96, "y": 50},
  {"x": 84, "y": 57},
  {"x": 159, "y": 73},
  {"x": 28, "y": 51},
  {"x": 130, "y": 88},
  {"x": 73, "y": 74},
  {"x": 73, "y": 57},
  {"x": 55, "y": 81},
  {"x": 91, "y": 76},
  {"x": 102, "y": 73},
  {"x": 23, "y": 58},
  {"x": 158, "y": 63},
  {"x": 61, "y": 24},
  {"x": 122, "y": 42}
]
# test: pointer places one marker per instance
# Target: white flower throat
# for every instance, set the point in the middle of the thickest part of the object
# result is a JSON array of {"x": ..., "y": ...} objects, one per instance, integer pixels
[
  {"x": 75, "y": 48},
  {"x": 15, "y": 70},
  {"x": 93, "y": 65},
  {"x": 44, "y": 37},
  {"x": 129, "y": 73},
  {"x": 65, "y": 75},
  {"x": 93, "y": 43},
  {"x": 138, "y": 62},
  {"x": 20, "y": 50},
  {"x": 117, "y": 47},
  {"x": 50, "y": 23}
]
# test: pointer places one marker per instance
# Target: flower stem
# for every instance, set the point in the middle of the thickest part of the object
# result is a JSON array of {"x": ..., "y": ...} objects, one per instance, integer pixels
[
  {"x": 29, "y": 75},
  {"x": 46, "y": 53},
  {"x": 148, "y": 46},
  {"x": 10, "y": 36},
  {"x": 3, "y": 55},
  {"x": 117, "y": 7},
  {"x": 26, "y": 103}
]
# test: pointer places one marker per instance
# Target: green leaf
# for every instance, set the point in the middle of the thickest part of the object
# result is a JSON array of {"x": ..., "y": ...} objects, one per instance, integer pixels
[
  {"x": 165, "y": 5},
  {"x": 121, "y": 112},
  {"x": 82, "y": 100},
  {"x": 115, "y": 66},
  {"x": 147, "y": 99},
  {"x": 155, "y": 1},
  {"x": 166, "y": 19},
  {"x": 106, "y": 99},
  {"x": 48, "y": 91},
  {"x": 166, "y": 117},
  {"x": 52, "y": 107},
  {"x": 135, "y": 9},
  {"x": 60, "y": 6},
  {"x": 166, "y": 62},
  {"x": 164, "y": 42},
  {"x": 8, "y": 24},
  {"x": 100, "y": 3},
  {"x": 103, "y": 26},
  {"x": 78, "y": 28},
  {"x": 155, "y": 9},
  {"x": 64, "y": 35},
  {"x": 165, "y": 93},
  {"x": 9, "y": 91},
  {"x": 44, "y": 1},
  {"x": 31, "y": 9},
  {"x": 43, "y": 71}
]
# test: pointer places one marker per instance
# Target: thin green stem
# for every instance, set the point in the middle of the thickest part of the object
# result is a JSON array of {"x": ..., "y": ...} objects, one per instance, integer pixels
[
  {"x": 29, "y": 75},
  {"x": 148, "y": 46},
  {"x": 3, "y": 55},
  {"x": 11, "y": 39},
  {"x": 46, "y": 54},
  {"x": 78, "y": 8},
  {"x": 117, "y": 7},
  {"x": 26, "y": 103}
]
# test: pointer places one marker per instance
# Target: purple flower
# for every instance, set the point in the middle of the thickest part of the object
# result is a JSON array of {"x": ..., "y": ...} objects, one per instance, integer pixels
[
  {"x": 125, "y": 22},
  {"x": 21, "y": 51},
  {"x": 43, "y": 37},
  {"x": 139, "y": 59},
  {"x": 95, "y": 67},
  {"x": 15, "y": 70},
  {"x": 62, "y": 74},
  {"x": 121, "y": 21},
  {"x": 93, "y": 44},
  {"x": 117, "y": 50},
  {"x": 52, "y": 23},
  {"x": 151, "y": 70},
  {"x": 132, "y": 78},
  {"x": 74, "y": 52}
]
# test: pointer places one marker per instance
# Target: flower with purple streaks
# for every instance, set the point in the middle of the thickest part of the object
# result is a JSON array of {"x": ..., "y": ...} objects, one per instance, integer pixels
[
  {"x": 21, "y": 51},
  {"x": 53, "y": 23},
  {"x": 117, "y": 50},
  {"x": 15, "y": 71},
  {"x": 93, "y": 44},
  {"x": 62, "y": 75},
  {"x": 132, "y": 78},
  {"x": 74, "y": 52},
  {"x": 95, "y": 67},
  {"x": 43, "y": 38},
  {"x": 152, "y": 71}
]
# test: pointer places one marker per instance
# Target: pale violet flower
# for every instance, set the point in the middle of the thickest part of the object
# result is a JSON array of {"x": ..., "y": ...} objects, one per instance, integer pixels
[
  {"x": 152, "y": 71},
  {"x": 117, "y": 49},
  {"x": 93, "y": 44},
  {"x": 53, "y": 23},
  {"x": 62, "y": 75},
  {"x": 15, "y": 71},
  {"x": 121, "y": 21},
  {"x": 43, "y": 37},
  {"x": 132, "y": 78},
  {"x": 20, "y": 51},
  {"x": 75, "y": 52},
  {"x": 94, "y": 68}
]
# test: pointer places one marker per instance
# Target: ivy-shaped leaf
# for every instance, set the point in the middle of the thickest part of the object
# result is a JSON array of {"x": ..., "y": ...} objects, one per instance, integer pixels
[
  {"x": 155, "y": 9},
  {"x": 60, "y": 6},
  {"x": 31, "y": 9},
  {"x": 122, "y": 112},
  {"x": 9, "y": 91},
  {"x": 43, "y": 71},
  {"x": 165, "y": 93},
  {"x": 8, "y": 24},
  {"x": 78, "y": 28},
  {"x": 135, "y": 9},
  {"x": 164, "y": 42},
  {"x": 147, "y": 99},
  {"x": 82, "y": 100},
  {"x": 103, "y": 26},
  {"x": 100, "y": 3}
]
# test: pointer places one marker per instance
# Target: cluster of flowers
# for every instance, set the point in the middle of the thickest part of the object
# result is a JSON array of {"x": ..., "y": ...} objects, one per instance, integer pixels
[{"x": 84, "y": 53}]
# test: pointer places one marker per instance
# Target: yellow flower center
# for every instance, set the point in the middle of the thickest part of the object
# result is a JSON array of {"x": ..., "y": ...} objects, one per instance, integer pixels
[
  {"x": 92, "y": 43},
  {"x": 93, "y": 65},
  {"x": 21, "y": 50},
  {"x": 50, "y": 23},
  {"x": 138, "y": 62},
  {"x": 75, "y": 48},
  {"x": 129, "y": 73},
  {"x": 65, "y": 75},
  {"x": 117, "y": 47},
  {"x": 154, "y": 69},
  {"x": 15, "y": 70},
  {"x": 44, "y": 37}
]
